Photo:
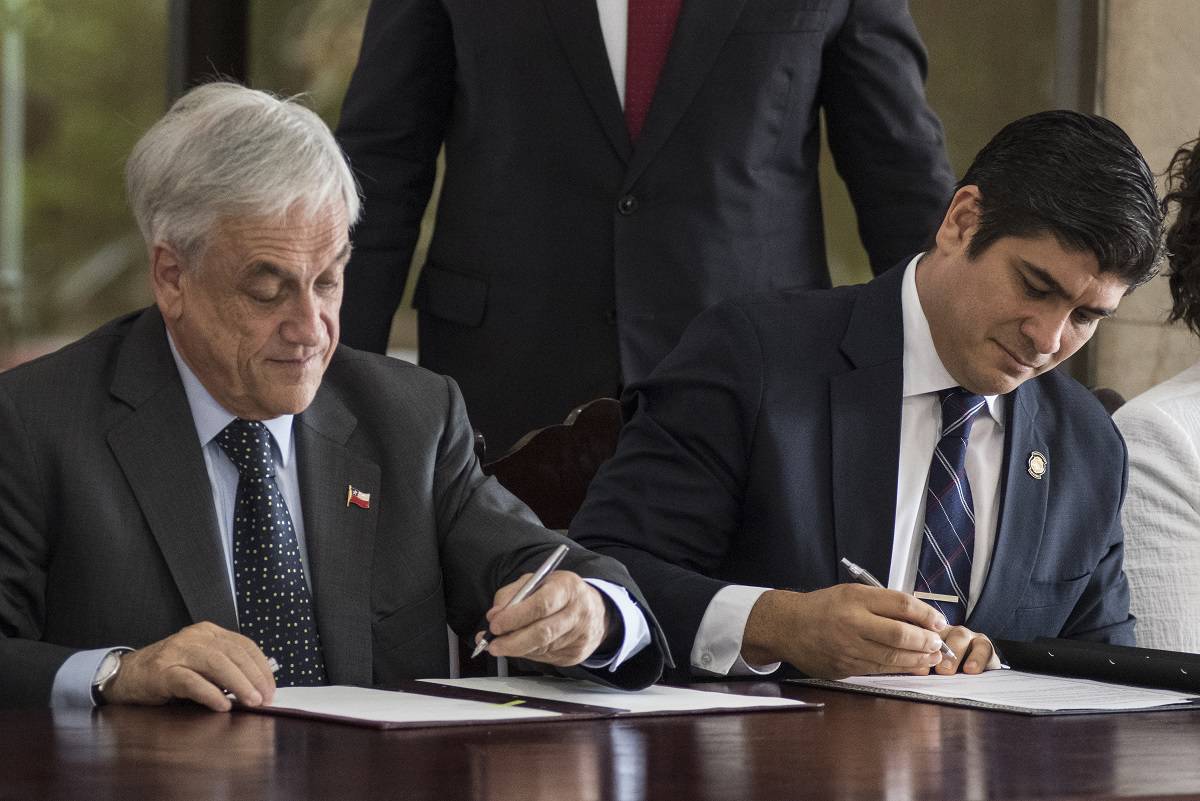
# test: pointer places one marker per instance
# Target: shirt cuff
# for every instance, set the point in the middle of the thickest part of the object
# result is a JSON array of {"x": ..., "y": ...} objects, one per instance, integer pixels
[
  {"x": 635, "y": 630},
  {"x": 717, "y": 649},
  {"x": 72, "y": 688}
]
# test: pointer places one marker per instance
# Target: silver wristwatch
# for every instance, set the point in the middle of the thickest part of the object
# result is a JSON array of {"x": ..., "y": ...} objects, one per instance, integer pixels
[{"x": 108, "y": 670}]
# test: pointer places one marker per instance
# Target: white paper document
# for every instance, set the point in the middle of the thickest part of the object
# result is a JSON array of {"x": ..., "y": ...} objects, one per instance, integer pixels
[
  {"x": 390, "y": 706},
  {"x": 1035, "y": 691},
  {"x": 650, "y": 700}
]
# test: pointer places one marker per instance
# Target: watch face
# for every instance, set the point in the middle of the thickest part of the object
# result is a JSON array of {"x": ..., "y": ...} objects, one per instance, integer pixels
[
  {"x": 104, "y": 674},
  {"x": 108, "y": 668}
]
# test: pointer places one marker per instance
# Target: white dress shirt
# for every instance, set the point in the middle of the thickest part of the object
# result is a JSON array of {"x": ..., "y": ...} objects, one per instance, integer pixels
[
  {"x": 718, "y": 644},
  {"x": 614, "y": 25}
]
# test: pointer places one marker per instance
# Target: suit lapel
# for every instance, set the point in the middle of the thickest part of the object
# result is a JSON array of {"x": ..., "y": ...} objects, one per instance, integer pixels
[
  {"x": 577, "y": 25},
  {"x": 703, "y": 27},
  {"x": 159, "y": 453},
  {"x": 1022, "y": 515},
  {"x": 339, "y": 537},
  {"x": 865, "y": 407}
]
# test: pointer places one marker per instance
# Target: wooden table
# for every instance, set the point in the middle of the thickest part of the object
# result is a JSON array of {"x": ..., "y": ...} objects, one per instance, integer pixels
[{"x": 857, "y": 747}]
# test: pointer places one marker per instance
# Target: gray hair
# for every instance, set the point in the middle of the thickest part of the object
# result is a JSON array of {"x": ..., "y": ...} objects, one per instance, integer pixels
[{"x": 224, "y": 150}]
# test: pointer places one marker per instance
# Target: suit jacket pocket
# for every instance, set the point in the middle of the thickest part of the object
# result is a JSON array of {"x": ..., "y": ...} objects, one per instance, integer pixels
[
  {"x": 1045, "y": 607},
  {"x": 398, "y": 628},
  {"x": 450, "y": 295},
  {"x": 1046, "y": 594},
  {"x": 781, "y": 16}
]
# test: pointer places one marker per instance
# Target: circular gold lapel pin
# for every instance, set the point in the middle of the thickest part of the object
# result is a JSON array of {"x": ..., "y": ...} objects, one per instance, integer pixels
[{"x": 1036, "y": 466}]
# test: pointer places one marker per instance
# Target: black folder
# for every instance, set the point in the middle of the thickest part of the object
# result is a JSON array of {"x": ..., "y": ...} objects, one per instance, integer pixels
[{"x": 1120, "y": 664}]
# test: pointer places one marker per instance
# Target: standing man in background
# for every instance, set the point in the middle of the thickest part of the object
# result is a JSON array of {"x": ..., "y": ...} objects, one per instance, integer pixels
[{"x": 614, "y": 167}]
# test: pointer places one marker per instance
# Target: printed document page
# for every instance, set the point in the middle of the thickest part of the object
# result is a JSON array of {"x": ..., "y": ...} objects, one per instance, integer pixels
[
  {"x": 390, "y": 706},
  {"x": 1028, "y": 690},
  {"x": 651, "y": 699}
]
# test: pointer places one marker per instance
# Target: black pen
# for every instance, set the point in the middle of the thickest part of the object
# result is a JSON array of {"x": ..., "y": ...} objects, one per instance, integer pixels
[
  {"x": 863, "y": 576},
  {"x": 528, "y": 589}
]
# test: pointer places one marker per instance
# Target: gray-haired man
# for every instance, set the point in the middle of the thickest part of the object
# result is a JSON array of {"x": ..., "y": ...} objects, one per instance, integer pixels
[{"x": 212, "y": 481}]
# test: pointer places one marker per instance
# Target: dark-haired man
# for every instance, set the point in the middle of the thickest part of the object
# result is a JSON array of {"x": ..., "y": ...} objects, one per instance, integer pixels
[{"x": 911, "y": 425}]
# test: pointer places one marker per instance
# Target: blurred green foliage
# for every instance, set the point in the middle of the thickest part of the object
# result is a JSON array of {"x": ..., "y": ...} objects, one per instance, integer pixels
[
  {"x": 96, "y": 78},
  {"x": 306, "y": 46}
]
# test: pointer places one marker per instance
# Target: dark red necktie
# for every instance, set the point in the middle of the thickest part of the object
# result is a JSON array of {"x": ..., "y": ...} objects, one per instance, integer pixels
[{"x": 651, "y": 25}]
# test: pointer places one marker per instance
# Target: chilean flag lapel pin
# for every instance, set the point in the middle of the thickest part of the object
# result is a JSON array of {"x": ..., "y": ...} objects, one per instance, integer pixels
[{"x": 357, "y": 497}]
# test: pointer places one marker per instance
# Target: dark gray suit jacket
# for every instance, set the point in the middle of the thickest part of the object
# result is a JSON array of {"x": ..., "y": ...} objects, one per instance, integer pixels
[
  {"x": 766, "y": 447},
  {"x": 566, "y": 259},
  {"x": 108, "y": 534}
]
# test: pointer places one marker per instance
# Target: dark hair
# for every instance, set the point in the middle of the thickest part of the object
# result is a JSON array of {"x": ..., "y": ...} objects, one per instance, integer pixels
[
  {"x": 1078, "y": 177},
  {"x": 1183, "y": 237}
]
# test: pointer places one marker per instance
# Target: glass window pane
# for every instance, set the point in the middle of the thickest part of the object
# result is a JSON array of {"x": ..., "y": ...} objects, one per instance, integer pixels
[
  {"x": 81, "y": 82},
  {"x": 311, "y": 46},
  {"x": 308, "y": 46},
  {"x": 989, "y": 63}
]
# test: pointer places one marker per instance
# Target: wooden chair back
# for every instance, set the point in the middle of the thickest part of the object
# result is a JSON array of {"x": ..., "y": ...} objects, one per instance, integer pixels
[{"x": 550, "y": 468}]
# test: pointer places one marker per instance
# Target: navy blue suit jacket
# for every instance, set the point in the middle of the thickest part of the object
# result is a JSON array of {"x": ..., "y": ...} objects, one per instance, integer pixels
[
  {"x": 567, "y": 259},
  {"x": 765, "y": 448}
]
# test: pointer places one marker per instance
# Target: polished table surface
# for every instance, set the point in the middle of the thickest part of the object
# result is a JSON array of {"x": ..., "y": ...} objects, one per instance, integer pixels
[{"x": 856, "y": 747}]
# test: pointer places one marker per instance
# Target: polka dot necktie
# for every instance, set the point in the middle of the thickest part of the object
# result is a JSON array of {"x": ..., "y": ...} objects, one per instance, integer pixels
[
  {"x": 273, "y": 604},
  {"x": 948, "y": 541}
]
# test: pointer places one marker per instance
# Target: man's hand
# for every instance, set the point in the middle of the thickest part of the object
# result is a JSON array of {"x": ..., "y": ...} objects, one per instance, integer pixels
[
  {"x": 975, "y": 652},
  {"x": 561, "y": 623},
  {"x": 844, "y": 630},
  {"x": 196, "y": 663}
]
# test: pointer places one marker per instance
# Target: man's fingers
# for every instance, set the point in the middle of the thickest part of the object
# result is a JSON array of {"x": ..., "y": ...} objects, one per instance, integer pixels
[
  {"x": 902, "y": 606},
  {"x": 233, "y": 670},
  {"x": 561, "y": 623},
  {"x": 182, "y": 682},
  {"x": 199, "y": 663},
  {"x": 980, "y": 656},
  {"x": 881, "y": 659},
  {"x": 899, "y": 635},
  {"x": 870, "y": 665},
  {"x": 505, "y": 594},
  {"x": 534, "y": 640},
  {"x": 974, "y": 652},
  {"x": 252, "y": 662},
  {"x": 569, "y": 650},
  {"x": 958, "y": 639},
  {"x": 555, "y": 593}
]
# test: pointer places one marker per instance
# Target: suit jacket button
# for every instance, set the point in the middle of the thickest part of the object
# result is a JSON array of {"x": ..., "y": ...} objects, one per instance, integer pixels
[
  {"x": 627, "y": 205},
  {"x": 610, "y": 317}
]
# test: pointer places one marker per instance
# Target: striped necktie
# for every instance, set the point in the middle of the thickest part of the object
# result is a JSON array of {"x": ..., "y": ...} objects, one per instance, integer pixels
[{"x": 948, "y": 541}]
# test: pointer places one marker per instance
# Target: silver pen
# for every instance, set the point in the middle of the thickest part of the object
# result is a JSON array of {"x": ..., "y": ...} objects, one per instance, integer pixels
[
  {"x": 535, "y": 581},
  {"x": 863, "y": 576}
]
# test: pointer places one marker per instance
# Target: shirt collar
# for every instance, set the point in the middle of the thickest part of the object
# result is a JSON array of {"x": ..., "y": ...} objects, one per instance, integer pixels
[
  {"x": 211, "y": 418},
  {"x": 923, "y": 369}
]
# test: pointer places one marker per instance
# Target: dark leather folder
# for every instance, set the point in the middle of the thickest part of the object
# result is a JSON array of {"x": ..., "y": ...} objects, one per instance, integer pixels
[{"x": 1121, "y": 664}]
